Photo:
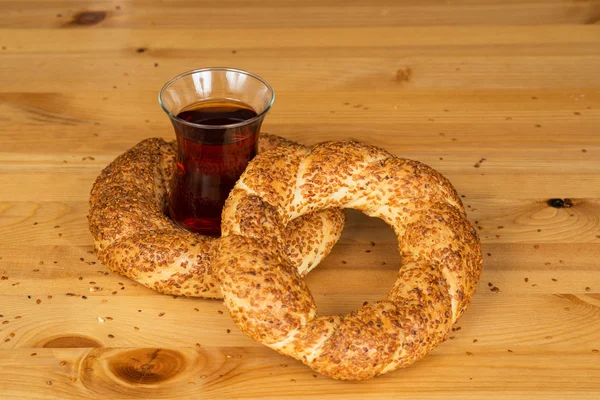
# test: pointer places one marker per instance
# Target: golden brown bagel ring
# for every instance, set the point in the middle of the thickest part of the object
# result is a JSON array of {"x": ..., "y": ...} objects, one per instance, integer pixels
[
  {"x": 134, "y": 237},
  {"x": 269, "y": 300}
]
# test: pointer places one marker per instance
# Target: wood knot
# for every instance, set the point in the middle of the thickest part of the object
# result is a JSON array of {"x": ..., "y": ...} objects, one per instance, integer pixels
[
  {"x": 147, "y": 366},
  {"x": 74, "y": 341},
  {"x": 88, "y": 18},
  {"x": 560, "y": 203},
  {"x": 117, "y": 373},
  {"x": 404, "y": 74}
]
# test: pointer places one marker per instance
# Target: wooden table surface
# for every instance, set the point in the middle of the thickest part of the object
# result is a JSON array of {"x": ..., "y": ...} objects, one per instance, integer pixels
[{"x": 501, "y": 96}]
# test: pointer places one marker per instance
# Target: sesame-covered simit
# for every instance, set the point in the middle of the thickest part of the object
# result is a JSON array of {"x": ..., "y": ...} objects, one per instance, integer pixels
[
  {"x": 269, "y": 300},
  {"x": 134, "y": 236}
]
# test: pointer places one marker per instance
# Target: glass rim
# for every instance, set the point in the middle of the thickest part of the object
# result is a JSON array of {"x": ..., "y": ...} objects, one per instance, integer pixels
[{"x": 227, "y": 69}]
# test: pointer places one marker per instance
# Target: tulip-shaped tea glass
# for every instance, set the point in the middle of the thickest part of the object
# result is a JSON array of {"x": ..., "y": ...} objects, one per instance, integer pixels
[{"x": 217, "y": 114}]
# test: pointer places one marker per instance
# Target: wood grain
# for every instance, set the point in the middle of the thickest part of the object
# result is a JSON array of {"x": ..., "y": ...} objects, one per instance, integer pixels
[
  {"x": 502, "y": 97},
  {"x": 240, "y": 372},
  {"x": 231, "y": 14}
]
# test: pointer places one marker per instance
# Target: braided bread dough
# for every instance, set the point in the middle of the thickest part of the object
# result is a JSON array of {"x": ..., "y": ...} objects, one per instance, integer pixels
[
  {"x": 268, "y": 300},
  {"x": 134, "y": 237}
]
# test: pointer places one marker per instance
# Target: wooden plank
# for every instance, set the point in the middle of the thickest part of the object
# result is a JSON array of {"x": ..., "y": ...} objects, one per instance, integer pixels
[
  {"x": 515, "y": 183},
  {"x": 211, "y": 372},
  {"x": 28, "y": 146},
  {"x": 235, "y": 14},
  {"x": 549, "y": 269},
  {"x": 93, "y": 40},
  {"x": 497, "y": 320},
  {"x": 460, "y": 117},
  {"x": 324, "y": 69},
  {"x": 499, "y": 221}
]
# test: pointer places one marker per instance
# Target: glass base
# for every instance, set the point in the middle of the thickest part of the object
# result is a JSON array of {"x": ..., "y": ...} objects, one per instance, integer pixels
[{"x": 202, "y": 226}]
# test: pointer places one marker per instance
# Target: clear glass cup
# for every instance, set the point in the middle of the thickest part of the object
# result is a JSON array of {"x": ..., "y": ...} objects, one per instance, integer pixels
[{"x": 217, "y": 114}]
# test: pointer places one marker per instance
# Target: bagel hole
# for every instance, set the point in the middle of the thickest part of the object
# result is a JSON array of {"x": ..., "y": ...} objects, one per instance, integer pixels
[{"x": 362, "y": 266}]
